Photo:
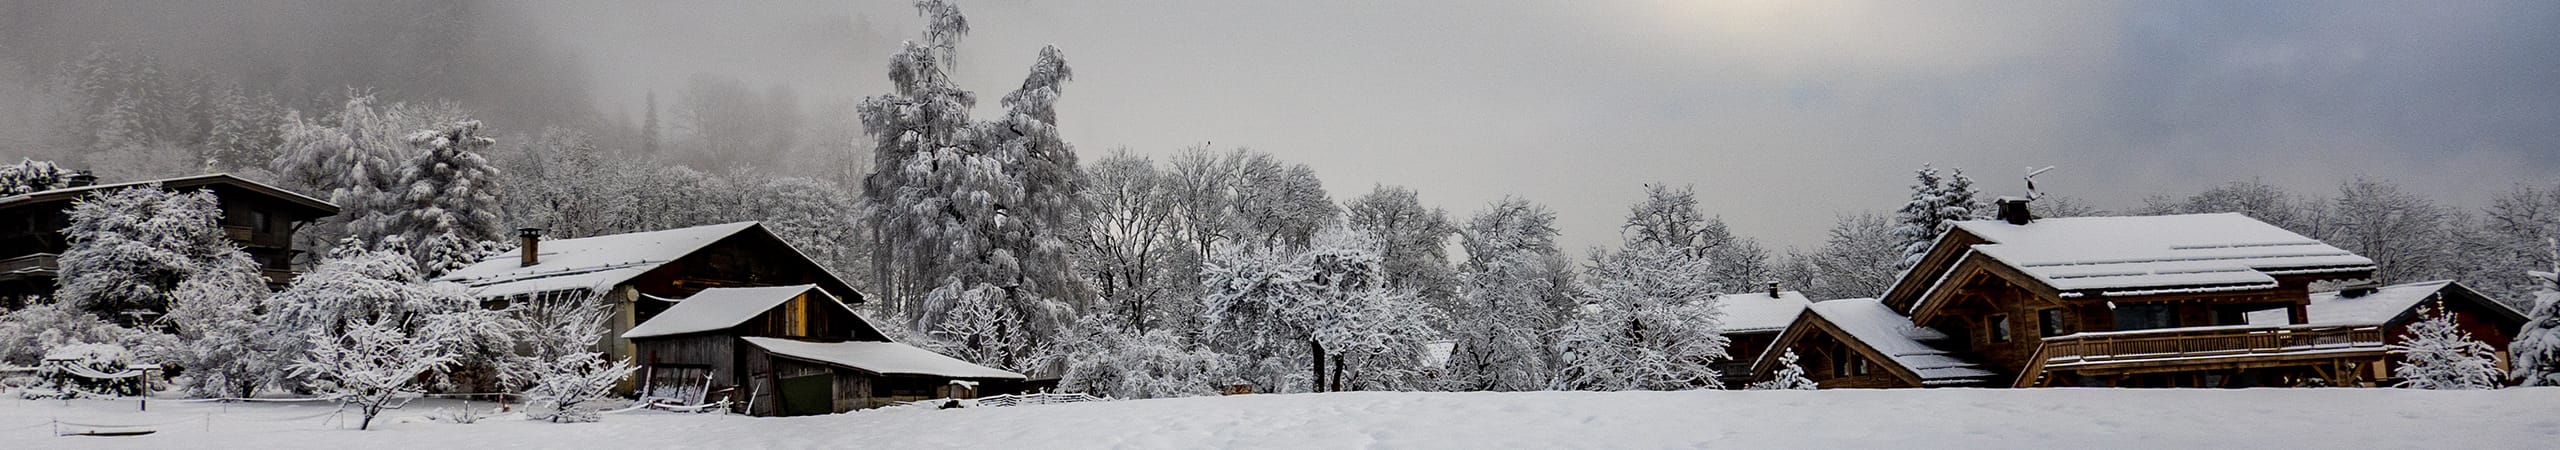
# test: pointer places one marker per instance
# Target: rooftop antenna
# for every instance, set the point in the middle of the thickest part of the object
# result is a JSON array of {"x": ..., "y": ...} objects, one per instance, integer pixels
[{"x": 2032, "y": 195}]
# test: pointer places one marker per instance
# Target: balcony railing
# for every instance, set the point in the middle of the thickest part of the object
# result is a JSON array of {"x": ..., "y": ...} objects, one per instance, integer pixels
[
  {"x": 40, "y": 262},
  {"x": 2119, "y": 346}
]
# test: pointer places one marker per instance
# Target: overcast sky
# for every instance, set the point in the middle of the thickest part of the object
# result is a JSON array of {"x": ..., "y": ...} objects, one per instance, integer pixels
[{"x": 1781, "y": 113}]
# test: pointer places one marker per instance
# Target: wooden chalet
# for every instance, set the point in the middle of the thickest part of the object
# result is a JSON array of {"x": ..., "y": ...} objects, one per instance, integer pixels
[
  {"x": 2197, "y": 300},
  {"x": 1752, "y": 321},
  {"x": 789, "y": 351},
  {"x": 635, "y": 273},
  {"x": 259, "y": 217}
]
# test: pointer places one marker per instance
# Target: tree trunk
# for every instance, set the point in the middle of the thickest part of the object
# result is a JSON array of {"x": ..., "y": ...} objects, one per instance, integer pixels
[
  {"x": 1337, "y": 373},
  {"x": 1316, "y": 385}
]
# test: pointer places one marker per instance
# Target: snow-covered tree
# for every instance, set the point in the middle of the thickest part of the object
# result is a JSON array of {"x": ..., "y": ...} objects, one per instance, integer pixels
[
  {"x": 369, "y": 363},
  {"x": 1514, "y": 289},
  {"x": 354, "y": 158},
  {"x": 2399, "y": 230},
  {"x": 563, "y": 183},
  {"x": 2536, "y": 347},
  {"x": 557, "y": 367},
  {"x": 446, "y": 205},
  {"x": 1108, "y": 361},
  {"x": 1327, "y": 306},
  {"x": 381, "y": 288},
  {"x": 1414, "y": 239},
  {"x": 1789, "y": 376},
  {"x": 1279, "y": 204},
  {"x": 131, "y": 247},
  {"x": 1130, "y": 238},
  {"x": 30, "y": 175},
  {"x": 1936, "y": 204},
  {"x": 1651, "y": 320},
  {"x": 1859, "y": 259},
  {"x": 2443, "y": 357},
  {"x": 979, "y": 328},
  {"x": 225, "y": 344}
]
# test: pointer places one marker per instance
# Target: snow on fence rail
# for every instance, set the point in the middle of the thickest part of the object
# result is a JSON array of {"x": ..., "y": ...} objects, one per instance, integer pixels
[{"x": 1035, "y": 399}]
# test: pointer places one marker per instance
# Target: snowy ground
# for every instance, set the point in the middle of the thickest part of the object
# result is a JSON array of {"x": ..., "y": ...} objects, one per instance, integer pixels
[{"x": 2263, "y": 418}]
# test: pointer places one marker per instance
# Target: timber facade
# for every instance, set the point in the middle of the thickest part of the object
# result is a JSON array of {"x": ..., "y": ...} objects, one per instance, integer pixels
[
  {"x": 2206, "y": 300},
  {"x": 791, "y": 350},
  {"x": 262, "y": 219}
]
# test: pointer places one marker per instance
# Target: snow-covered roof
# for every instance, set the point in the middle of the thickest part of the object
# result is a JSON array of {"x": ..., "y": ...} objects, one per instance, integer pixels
[
  {"x": 1877, "y": 326},
  {"x": 315, "y": 205},
  {"x": 1756, "y": 312},
  {"x": 2376, "y": 308},
  {"x": 2143, "y": 255},
  {"x": 719, "y": 308},
  {"x": 592, "y": 263},
  {"x": 885, "y": 358}
]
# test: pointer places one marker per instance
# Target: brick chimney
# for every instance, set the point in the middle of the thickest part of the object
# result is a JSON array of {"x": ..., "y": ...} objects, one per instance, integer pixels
[
  {"x": 529, "y": 243},
  {"x": 2014, "y": 211}
]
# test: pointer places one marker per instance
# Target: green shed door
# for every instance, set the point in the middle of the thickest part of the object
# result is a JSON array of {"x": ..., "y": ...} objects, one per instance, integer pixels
[{"x": 808, "y": 395}]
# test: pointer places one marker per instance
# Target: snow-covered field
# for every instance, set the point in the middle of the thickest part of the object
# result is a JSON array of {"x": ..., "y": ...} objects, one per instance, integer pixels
[{"x": 1949, "y": 418}]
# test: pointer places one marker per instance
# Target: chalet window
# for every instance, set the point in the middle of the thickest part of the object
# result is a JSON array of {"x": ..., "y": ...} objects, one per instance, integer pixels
[
  {"x": 1999, "y": 325},
  {"x": 1858, "y": 366},
  {"x": 2144, "y": 317},
  {"x": 2049, "y": 322}
]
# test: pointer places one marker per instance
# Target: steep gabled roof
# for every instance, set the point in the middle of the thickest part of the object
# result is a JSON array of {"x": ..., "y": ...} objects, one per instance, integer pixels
[
  {"x": 1758, "y": 312},
  {"x": 2144, "y": 254},
  {"x": 1869, "y": 327},
  {"x": 721, "y": 308},
  {"x": 313, "y": 207},
  {"x": 599, "y": 263},
  {"x": 884, "y": 358}
]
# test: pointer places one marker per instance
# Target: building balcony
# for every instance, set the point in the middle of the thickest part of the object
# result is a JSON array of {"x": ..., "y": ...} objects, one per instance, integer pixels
[
  {"x": 2216, "y": 346},
  {"x": 35, "y": 265}
]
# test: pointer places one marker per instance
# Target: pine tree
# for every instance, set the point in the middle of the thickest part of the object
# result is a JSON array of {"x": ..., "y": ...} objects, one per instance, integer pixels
[
  {"x": 448, "y": 205},
  {"x": 2537, "y": 344},
  {"x": 30, "y": 176},
  {"x": 2443, "y": 357},
  {"x": 1789, "y": 376}
]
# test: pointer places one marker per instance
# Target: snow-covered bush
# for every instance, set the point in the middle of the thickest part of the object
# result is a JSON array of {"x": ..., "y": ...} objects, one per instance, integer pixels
[
  {"x": 2443, "y": 357},
  {"x": 80, "y": 369},
  {"x": 557, "y": 368},
  {"x": 26, "y": 333},
  {"x": 1789, "y": 377},
  {"x": 30, "y": 175},
  {"x": 1651, "y": 322},
  {"x": 1108, "y": 362},
  {"x": 369, "y": 364}
]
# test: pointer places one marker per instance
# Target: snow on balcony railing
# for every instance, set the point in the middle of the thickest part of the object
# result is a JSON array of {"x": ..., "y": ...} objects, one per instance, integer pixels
[{"x": 2121, "y": 346}]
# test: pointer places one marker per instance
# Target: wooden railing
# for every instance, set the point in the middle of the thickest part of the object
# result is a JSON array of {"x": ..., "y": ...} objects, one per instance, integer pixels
[
  {"x": 2206, "y": 341},
  {"x": 44, "y": 261}
]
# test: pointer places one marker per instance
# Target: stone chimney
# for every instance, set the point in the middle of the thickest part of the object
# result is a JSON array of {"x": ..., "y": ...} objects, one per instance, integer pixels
[
  {"x": 2014, "y": 211},
  {"x": 529, "y": 243},
  {"x": 80, "y": 179}
]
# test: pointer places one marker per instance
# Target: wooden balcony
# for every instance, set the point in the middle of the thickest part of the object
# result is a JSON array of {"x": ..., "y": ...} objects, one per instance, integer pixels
[
  {"x": 2177, "y": 346},
  {"x": 40, "y": 264}
]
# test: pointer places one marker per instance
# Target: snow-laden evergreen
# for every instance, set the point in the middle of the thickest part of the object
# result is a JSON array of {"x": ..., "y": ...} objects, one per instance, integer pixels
[
  {"x": 129, "y": 249},
  {"x": 2536, "y": 347},
  {"x": 1936, "y": 203},
  {"x": 446, "y": 205},
  {"x": 556, "y": 365},
  {"x": 2441, "y": 356},
  {"x": 30, "y": 175},
  {"x": 1650, "y": 321},
  {"x": 1789, "y": 376}
]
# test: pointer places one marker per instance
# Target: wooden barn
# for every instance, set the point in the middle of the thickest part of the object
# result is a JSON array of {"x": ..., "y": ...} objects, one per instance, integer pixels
[
  {"x": 792, "y": 350},
  {"x": 261, "y": 218},
  {"x": 636, "y": 273},
  {"x": 2197, "y": 300}
]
